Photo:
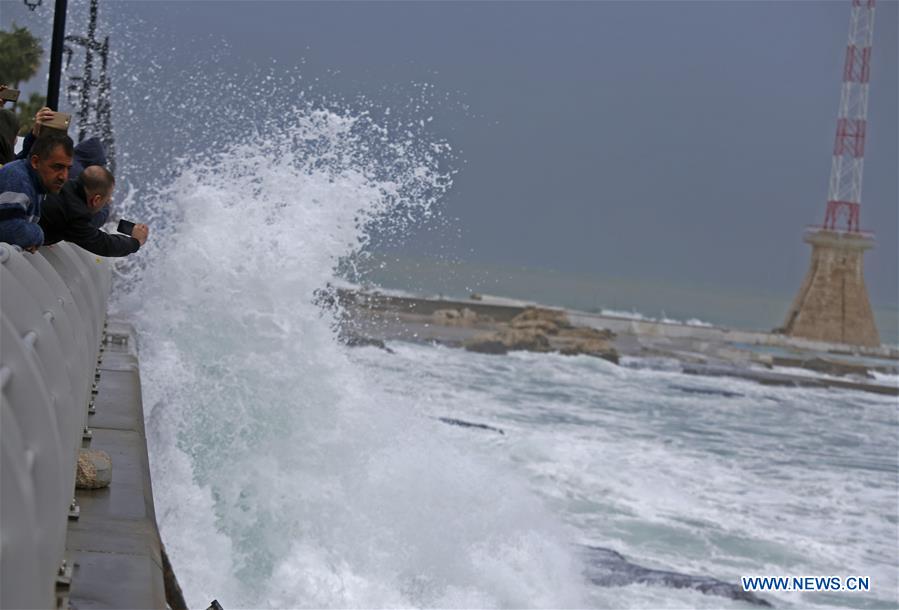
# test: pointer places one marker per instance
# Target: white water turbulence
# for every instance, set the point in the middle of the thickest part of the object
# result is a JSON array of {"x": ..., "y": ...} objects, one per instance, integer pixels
[{"x": 283, "y": 475}]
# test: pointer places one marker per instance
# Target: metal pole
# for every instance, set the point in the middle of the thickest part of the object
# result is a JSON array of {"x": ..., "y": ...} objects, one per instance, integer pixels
[
  {"x": 88, "y": 81},
  {"x": 59, "y": 32}
]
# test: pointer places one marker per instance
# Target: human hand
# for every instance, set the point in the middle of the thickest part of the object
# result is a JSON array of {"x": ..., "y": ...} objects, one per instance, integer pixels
[
  {"x": 140, "y": 233},
  {"x": 44, "y": 114},
  {"x": 3, "y": 88}
]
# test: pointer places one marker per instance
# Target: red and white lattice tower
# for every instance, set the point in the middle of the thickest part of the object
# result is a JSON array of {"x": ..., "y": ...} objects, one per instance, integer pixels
[
  {"x": 832, "y": 304},
  {"x": 845, "y": 195}
]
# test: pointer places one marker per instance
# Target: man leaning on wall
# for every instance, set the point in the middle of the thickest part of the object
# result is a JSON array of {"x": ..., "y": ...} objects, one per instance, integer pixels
[
  {"x": 25, "y": 183},
  {"x": 68, "y": 215}
]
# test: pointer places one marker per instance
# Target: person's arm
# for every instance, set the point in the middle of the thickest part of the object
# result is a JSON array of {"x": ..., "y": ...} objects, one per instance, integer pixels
[
  {"x": 44, "y": 114},
  {"x": 81, "y": 233},
  {"x": 16, "y": 194}
]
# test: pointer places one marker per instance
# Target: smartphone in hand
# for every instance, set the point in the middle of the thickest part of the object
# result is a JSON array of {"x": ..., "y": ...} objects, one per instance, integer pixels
[
  {"x": 9, "y": 95},
  {"x": 125, "y": 227},
  {"x": 60, "y": 123}
]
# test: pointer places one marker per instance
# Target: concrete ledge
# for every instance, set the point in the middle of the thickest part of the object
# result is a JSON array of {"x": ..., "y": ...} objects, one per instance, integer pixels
[
  {"x": 503, "y": 312},
  {"x": 114, "y": 546}
]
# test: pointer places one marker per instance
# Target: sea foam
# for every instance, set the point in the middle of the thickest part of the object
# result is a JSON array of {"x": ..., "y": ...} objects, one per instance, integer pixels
[{"x": 283, "y": 475}]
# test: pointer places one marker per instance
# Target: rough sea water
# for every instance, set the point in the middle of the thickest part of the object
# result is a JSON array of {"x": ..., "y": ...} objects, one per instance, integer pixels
[{"x": 291, "y": 471}]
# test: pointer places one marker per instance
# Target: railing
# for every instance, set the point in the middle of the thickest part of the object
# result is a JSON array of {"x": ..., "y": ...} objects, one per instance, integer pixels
[
  {"x": 861, "y": 233},
  {"x": 52, "y": 313}
]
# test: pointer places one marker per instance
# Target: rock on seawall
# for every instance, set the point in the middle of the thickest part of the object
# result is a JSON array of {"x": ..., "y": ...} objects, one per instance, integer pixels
[
  {"x": 509, "y": 339},
  {"x": 456, "y": 317},
  {"x": 545, "y": 330},
  {"x": 94, "y": 469}
]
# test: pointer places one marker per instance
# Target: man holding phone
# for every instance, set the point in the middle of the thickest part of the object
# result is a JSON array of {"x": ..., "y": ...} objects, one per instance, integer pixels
[{"x": 67, "y": 216}]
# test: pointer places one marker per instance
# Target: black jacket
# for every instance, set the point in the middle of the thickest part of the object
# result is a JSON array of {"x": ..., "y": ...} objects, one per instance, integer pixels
[{"x": 66, "y": 217}]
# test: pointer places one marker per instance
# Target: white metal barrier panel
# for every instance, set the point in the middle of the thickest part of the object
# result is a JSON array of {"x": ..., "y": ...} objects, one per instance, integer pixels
[{"x": 52, "y": 313}]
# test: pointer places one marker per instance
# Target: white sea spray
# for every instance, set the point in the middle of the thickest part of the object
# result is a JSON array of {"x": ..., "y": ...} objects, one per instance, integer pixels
[{"x": 284, "y": 476}]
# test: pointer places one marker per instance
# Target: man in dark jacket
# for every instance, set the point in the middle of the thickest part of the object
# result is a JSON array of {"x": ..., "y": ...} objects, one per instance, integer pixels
[{"x": 67, "y": 216}]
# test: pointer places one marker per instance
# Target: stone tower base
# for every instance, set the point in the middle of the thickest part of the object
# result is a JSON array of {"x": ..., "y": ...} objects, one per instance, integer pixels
[{"x": 832, "y": 304}]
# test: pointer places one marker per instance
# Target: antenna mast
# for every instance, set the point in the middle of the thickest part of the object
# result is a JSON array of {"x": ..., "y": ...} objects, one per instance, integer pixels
[{"x": 845, "y": 194}]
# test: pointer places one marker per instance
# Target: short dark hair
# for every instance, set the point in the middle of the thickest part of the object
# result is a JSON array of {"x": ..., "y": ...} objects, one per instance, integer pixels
[
  {"x": 47, "y": 142},
  {"x": 97, "y": 179}
]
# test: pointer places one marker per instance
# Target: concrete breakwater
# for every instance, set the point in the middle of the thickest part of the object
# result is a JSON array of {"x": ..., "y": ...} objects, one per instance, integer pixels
[
  {"x": 768, "y": 358},
  {"x": 70, "y": 380}
]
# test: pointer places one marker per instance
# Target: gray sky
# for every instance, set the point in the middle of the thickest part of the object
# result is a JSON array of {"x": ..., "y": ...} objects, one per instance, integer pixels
[{"x": 688, "y": 141}]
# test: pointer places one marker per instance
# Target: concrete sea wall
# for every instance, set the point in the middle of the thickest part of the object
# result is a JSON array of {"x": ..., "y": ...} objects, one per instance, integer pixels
[{"x": 69, "y": 380}]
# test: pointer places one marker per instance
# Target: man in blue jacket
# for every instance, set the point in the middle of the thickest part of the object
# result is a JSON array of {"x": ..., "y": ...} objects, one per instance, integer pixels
[{"x": 25, "y": 183}]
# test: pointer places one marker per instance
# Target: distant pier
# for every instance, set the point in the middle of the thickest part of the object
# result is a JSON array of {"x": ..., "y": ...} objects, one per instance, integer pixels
[{"x": 771, "y": 358}]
